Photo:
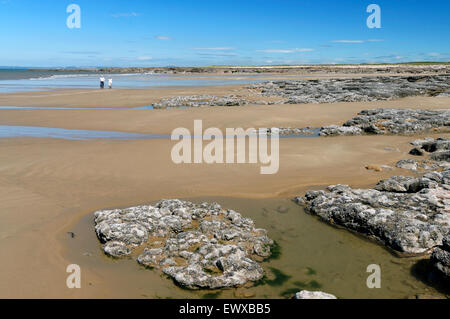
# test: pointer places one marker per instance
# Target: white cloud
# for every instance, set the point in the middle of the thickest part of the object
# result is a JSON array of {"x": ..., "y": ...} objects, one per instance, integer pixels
[
  {"x": 434, "y": 54},
  {"x": 82, "y": 52},
  {"x": 215, "y": 49},
  {"x": 144, "y": 58},
  {"x": 125, "y": 15},
  {"x": 348, "y": 41},
  {"x": 163, "y": 37},
  {"x": 276, "y": 51},
  {"x": 217, "y": 54},
  {"x": 358, "y": 41},
  {"x": 285, "y": 50}
]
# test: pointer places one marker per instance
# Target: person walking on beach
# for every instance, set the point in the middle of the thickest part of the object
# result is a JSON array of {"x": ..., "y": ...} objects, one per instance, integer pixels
[
  {"x": 102, "y": 82},
  {"x": 110, "y": 83}
]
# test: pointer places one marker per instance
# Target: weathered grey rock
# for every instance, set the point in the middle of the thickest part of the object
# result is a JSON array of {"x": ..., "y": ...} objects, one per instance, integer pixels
[
  {"x": 421, "y": 142},
  {"x": 200, "y": 101},
  {"x": 422, "y": 165},
  {"x": 230, "y": 263},
  {"x": 400, "y": 121},
  {"x": 354, "y": 89},
  {"x": 434, "y": 145},
  {"x": 441, "y": 257},
  {"x": 198, "y": 245},
  {"x": 395, "y": 121},
  {"x": 439, "y": 150},
  {"x": 340, "y": 130},
  {"x": 305, "y": 294},
  {"x": 410, "y": 215},
  {"x": 403, "y": 184},
  {"x": 416, "y": 152},
  {"x": 444, "y": 94},
  {"x": 443, "y": 156},
  {"x": 289, "y": 131},
  {"x": 408, "y": 164},
  {"x": 117, "y": 249},
  {"x": 391, "y": 121}
]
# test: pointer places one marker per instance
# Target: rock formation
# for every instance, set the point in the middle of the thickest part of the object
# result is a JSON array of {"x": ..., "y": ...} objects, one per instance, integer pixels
[
  {"x": 441, "y": 257},
  {"x": 201, "y": 101},
  {"x": 438, "y": 151},
  {"x": 362, "y": 89},
  {"x": 409, "y": 214},
  {"x": 305, "y": 294},
  {"x": 392, "y": 121},
  {"x": 198, "y": 245}
]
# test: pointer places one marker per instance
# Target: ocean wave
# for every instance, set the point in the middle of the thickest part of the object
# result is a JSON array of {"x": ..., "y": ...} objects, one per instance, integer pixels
[
  {"x": 60, "y": 76},
  {"x": 66, "y": 76}
]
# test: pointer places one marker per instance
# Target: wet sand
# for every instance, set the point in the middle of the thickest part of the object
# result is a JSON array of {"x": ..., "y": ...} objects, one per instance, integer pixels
[
  {"x": 49, "y": 186},
  {"x": 121, "y": 98},
  {"x": 164, "y": 121}
]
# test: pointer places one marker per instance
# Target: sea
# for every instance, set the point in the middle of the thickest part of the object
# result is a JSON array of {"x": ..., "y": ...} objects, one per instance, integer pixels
[{"x": 25, "y": 80}]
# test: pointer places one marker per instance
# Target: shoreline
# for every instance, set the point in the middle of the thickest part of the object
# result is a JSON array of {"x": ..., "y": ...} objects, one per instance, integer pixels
[
  {"x": 251, "y": 77},
  {"x": 415, "y": 66}
]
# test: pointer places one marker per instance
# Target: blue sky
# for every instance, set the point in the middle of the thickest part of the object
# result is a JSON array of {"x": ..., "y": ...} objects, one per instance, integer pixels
[{"x": 241, "y": 32}]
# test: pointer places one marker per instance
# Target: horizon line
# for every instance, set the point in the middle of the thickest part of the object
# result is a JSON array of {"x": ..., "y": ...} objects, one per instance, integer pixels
[{"x": 214, "y": 66}]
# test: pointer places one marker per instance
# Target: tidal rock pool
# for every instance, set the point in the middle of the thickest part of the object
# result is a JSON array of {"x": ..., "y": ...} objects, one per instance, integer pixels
[
  {"x": 10, "y": 131},
  {"x": 307, "y": 255}
]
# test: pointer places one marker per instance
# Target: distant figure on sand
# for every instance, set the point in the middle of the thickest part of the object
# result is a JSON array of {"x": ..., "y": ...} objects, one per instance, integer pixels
[
  {"x": 110, "y": 83},
  {"x": 102, "y": 82}
]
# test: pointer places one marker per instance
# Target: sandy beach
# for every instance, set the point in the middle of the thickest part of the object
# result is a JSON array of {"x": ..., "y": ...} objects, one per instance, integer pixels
[
  {"x": 47, "y": 186},
  {"x": 212, "y": 159}
]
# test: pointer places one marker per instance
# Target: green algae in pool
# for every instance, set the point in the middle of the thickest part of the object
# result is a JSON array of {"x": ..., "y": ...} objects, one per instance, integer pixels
[
  {"x": 314, "y": 256},
  {"x": 279, "y": 279}
]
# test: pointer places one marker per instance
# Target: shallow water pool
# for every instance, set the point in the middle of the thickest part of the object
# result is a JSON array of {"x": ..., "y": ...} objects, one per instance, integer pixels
[
  {"x": 7, "y": 131},
  {"x": 10, "y": 131},
  {"x": 122, "y": 81},
  {"x": 314, "y": 256}
]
